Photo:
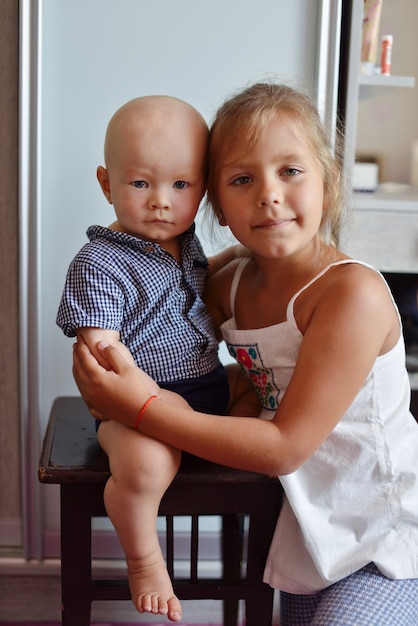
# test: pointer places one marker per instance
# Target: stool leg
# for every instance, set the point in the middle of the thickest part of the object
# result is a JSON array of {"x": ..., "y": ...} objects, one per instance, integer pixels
[
  {"x": 75, "y": 555},
  {"x": 232, "y": 547},
  {"x": 259, "y": 608}
]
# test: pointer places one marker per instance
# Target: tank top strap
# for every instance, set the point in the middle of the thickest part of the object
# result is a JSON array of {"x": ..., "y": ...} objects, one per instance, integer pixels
[
  {"x": 235, "y": 282},
  {"x": 289, "y": 312}
]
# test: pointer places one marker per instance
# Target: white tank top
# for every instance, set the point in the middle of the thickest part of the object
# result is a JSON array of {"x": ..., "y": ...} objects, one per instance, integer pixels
[{"x": 355, "y": 501}]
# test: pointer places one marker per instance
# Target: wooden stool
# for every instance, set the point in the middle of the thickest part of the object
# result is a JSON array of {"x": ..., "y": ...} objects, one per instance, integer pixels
[{"x": 72, "y": 458}]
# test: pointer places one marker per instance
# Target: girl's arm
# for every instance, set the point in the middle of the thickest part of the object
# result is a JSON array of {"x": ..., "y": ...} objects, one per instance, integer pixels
[
  {"x": 353, "y": 323},
  {"x": 117, "y": 392}
]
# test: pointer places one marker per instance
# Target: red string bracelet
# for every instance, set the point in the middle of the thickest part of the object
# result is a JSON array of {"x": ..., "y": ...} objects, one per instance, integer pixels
[{"x": 142, "y": 411}]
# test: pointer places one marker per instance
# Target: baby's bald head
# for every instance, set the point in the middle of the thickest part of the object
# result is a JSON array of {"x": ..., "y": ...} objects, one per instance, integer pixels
[{"x": 159, "y": 118}]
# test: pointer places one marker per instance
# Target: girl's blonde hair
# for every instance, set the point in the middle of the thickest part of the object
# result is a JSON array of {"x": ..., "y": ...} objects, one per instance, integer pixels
[{"x": 242, "y": 119}]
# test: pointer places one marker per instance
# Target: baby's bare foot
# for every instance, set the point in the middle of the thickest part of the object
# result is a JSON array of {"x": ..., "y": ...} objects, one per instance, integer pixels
[{"x": 151, "y": 588}]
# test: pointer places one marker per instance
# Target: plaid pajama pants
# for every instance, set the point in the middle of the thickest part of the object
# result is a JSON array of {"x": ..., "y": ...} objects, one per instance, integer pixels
[{"x": 366, "y": 598}]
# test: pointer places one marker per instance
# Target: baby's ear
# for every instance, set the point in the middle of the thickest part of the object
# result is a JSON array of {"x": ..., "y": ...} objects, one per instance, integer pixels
[{"x": 104, "y": 182}]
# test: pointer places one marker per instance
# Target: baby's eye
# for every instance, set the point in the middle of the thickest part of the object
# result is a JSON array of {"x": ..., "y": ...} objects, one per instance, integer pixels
[
  {"x": 140, "y": 184},
  {"x": 241, "y": 180},
  {"x": 180, "y": 184}
]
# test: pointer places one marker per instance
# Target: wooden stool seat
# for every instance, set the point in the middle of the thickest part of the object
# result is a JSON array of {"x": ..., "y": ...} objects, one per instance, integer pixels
[{"x": 72, "y": 458}]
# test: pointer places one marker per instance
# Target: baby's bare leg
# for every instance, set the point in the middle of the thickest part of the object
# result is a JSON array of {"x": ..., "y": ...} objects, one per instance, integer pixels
[{"x": 142, "y": 469}]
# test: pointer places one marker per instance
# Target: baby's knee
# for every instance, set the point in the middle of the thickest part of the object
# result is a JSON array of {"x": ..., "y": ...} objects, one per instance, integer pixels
[{"x": 151, "y": 467}]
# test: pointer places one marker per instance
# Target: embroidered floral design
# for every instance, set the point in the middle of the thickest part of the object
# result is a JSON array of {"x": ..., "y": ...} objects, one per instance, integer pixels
[
  {"x": 243, "y": 357},
  {"x": 262, "y": 378}
]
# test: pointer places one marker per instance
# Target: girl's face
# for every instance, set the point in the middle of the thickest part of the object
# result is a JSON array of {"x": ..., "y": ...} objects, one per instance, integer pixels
[{"x": 272, "y": 195}]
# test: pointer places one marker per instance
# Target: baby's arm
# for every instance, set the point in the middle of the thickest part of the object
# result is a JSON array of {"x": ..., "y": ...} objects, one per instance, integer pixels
[
  {"x": 218, "y": 261},
  {"x": 92, "y": 336}
]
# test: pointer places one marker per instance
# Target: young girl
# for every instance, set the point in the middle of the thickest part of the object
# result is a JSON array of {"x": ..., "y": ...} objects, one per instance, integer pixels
[{"x": 321, "y": 339}]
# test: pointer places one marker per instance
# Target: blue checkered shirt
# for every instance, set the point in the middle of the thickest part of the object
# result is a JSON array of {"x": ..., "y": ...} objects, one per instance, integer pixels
[{"x": 123, "y": 283}]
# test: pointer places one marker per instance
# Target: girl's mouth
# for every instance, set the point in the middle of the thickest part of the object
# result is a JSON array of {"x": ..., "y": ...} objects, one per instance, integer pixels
[{"x": 270, "y": 224}]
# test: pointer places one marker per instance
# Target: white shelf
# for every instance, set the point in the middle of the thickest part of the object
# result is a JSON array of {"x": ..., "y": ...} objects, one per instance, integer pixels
[
  {"x": 371, "y": 85},
  {"x": 403, "y": 201},
  {"x": 380, "y": 80}
]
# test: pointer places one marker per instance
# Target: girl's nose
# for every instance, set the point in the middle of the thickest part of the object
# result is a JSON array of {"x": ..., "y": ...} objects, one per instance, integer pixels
[{"x": 270, "y": 193}]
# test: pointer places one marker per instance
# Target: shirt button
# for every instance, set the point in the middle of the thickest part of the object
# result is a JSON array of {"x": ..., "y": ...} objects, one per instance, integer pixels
[{"x": 149, "y": 248}]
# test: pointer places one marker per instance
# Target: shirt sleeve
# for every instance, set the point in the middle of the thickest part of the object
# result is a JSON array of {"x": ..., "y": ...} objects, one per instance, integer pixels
[{"x": 91, "y": 299}]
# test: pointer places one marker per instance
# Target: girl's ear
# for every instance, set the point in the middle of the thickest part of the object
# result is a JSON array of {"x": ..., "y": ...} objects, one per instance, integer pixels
[
  {"x": 104, "y": 182},
  {"x": 221, "y": 218}
]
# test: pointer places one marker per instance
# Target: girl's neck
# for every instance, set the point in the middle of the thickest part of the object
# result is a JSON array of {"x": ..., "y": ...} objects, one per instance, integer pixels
[
  {"x": 296, "y": 268},
  {"x": 271, "y": 283}
]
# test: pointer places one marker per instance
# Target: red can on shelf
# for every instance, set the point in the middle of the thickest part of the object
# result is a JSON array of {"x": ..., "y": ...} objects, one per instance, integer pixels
[{"x": 386, "y": 55}]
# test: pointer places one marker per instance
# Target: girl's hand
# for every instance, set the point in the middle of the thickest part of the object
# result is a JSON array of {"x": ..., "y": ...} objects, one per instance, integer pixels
[{"x": 116, "y": 392}]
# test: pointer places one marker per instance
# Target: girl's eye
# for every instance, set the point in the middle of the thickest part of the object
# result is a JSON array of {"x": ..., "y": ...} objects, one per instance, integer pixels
[
  {"x": 180, "y": 184},
  {"x": 241, "y": 180},
  {"x": 140, "y": 184},
  {"x": 290, "y": 171}
]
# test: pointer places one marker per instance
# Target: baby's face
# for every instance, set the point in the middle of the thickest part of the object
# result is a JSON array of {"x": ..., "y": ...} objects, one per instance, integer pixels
[{"x": 156, "y": 176}]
